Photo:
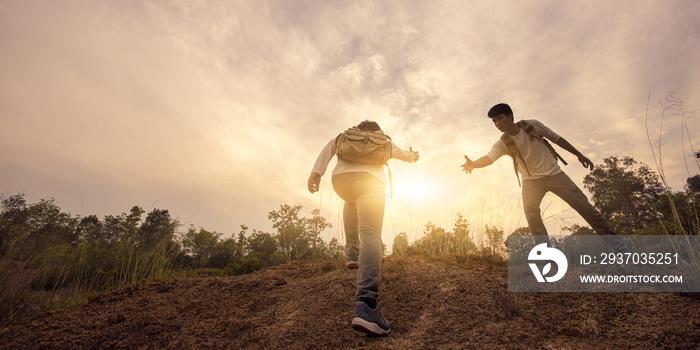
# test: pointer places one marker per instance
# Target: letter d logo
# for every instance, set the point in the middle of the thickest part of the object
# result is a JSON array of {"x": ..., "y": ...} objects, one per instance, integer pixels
[{"x": 542, "y": 252}]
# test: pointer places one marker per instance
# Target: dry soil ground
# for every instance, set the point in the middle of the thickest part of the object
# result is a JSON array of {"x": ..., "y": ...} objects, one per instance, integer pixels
[{"x": 455, "y": 303}]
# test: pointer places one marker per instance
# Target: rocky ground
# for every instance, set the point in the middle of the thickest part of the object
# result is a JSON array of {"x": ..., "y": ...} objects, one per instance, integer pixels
[{"x": 451, "y": 303}]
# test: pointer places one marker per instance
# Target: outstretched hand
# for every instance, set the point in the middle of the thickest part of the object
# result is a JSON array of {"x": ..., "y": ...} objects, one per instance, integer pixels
[
  {"x": 313, "y": 182},
  {"x": 468, "y": 166},
  {"x": 410, "y": 149},
  {"x": 586, "y": 162}
]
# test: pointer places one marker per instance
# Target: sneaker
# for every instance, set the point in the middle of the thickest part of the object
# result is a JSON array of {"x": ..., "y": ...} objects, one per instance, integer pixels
[
  {"x": 352, "y": 265},
  {"x": 369, "y": 320}
]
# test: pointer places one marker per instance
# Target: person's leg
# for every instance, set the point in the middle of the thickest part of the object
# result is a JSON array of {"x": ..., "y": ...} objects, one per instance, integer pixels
[
  {"x": 533, "y": 192},
  {"x": 342, "y": 184},
  {"x": 352, "y": 240},
  {"x": 566, "y": 189},
  {"x": 370, "y": 212}
]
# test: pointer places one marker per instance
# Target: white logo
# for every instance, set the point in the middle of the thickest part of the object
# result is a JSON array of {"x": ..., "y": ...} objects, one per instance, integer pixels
[{"x": 542, "y": 252}]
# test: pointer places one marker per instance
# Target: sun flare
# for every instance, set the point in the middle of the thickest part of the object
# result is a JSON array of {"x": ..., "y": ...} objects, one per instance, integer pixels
[{"x": 418, "y": 188}]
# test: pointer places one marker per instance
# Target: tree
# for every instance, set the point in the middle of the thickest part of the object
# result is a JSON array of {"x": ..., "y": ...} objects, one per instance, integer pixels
[
  {"x": 579, "y": 230},
  {"x": 463, "y": 243},
  {"x": 520, "y": 245},
  {"x": 90, "y": 230},
  {"x": 124, "y": 227},
  {"x": 624, "y": 188},
  {"x": 692, "y": 185},
  {"x": 200, "y": 245},
  {"x": 224, "y": 253},
  {"x": 435, "y": 240},
  {"x": 692, "y": 189},
  {"x": 314, "y": 227},
  {"x": 494, "y": 238},
  {"x": 522, "y": 231},
  {"x": 158, "y": 227},
  {"x": 290, "y": 228},
  {"x": 262, "y": 245},
  {"x": 335, "y": 250},
  {"x": 678, "y": 213},
  {"x": 26, "y": 230},
  {"x": 13, "y": 220},
  {"x": 298, "y": 238},
  {"x": 400, "y": 246}
]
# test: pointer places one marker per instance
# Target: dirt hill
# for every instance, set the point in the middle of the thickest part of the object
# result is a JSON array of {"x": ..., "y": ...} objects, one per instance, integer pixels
[{"x": 456, "y": 303}]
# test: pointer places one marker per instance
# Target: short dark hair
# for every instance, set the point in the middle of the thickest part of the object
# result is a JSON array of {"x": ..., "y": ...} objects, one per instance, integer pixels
[
  {"x": 369, "y": 125},
  {"x": 499, "y": 109}
]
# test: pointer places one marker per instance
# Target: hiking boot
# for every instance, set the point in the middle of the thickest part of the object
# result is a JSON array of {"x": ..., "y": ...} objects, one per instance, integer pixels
[
  {"x": 369, "y": 320},
  {"x": 352, "y": 265}
]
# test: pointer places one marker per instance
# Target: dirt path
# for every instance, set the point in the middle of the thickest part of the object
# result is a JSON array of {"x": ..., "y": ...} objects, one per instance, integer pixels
[{"x": 432, "y": 303}]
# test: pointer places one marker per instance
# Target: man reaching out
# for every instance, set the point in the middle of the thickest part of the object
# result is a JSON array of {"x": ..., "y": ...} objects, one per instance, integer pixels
[{"x": 536, "y": 160}]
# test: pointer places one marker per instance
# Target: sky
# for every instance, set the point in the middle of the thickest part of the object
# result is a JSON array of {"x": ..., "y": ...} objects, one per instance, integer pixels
[{"x": 217, "y": 110}]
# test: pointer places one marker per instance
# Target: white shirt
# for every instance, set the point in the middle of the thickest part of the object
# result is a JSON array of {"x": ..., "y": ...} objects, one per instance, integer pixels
[
  {"x": 344, "y": 166},
  {"x": 539, "y": 160}
]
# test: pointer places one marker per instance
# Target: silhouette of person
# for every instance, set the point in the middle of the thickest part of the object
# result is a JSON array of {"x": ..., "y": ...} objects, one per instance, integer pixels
[
  {"x": 363, "y": 189},
  {"x": 536, "y": 161}
]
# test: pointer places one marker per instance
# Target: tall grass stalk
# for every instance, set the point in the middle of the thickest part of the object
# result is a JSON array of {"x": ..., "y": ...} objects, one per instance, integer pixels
[{"x": 670, "y": 102}]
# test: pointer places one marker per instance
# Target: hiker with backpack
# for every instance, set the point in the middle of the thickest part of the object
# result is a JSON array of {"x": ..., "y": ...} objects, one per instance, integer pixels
[
  {"x": 359, "y": 178},
  {"x": 535, "y": 158}
]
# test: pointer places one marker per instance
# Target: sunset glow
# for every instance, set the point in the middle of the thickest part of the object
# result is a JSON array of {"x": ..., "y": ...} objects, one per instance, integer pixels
[{"x": 419, "y": 188}]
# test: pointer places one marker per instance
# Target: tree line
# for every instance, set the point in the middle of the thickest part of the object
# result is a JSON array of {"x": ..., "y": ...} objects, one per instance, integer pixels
[{"x": 103, "y": 254}]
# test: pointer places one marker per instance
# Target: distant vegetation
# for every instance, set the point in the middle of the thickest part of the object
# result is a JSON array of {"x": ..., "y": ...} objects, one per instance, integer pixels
[
  {"x": 52, "y": 259},
  {"x": 65, "y": 258}
]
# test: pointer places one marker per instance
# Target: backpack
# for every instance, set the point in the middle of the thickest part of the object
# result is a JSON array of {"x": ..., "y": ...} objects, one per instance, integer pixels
[
  {"x": 514, "y": 152},
  {"x": 369, "y": 147}
]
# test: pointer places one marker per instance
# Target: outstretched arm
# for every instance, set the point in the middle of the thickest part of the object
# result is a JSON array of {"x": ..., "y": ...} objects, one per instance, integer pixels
[
  {"x": 470, "y": 165},
  {"x": 410, "y": 156},
  {"x": 569, "y": 147},
  {"x": 415, "y": 153}
]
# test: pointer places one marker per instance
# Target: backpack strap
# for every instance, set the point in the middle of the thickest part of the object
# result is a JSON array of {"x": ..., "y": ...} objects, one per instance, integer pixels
[
  {"x": 536, "y": 134},
  {"x": 514, "y": 152},
  {"x": 391, "y": 182}
]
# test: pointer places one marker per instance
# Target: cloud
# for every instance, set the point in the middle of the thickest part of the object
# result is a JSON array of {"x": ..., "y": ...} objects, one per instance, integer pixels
[{"x": 217, "y": 110}]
